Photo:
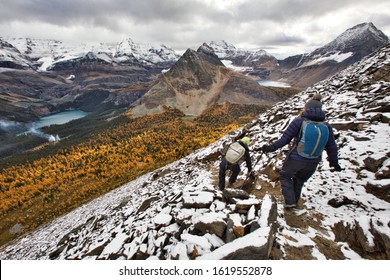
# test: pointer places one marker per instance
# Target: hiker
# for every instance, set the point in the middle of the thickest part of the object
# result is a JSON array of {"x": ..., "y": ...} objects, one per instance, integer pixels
[
  {"x": 299, "y": 166},
  {"x": 232, "y": 156}
]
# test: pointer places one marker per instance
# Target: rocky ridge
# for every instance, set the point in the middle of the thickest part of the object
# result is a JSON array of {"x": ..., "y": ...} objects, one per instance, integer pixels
[{"x": 177, "y": 212}]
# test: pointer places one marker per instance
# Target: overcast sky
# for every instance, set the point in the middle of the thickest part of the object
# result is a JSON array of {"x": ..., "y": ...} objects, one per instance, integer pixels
[{"x": 281, "y": 27}]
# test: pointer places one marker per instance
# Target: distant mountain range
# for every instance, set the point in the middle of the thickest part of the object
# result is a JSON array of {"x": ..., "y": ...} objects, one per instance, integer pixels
[
  {"x": 49, "y": 55},
  {"x": 52, "y": 55},
  {"x": 42, "y": 76}
]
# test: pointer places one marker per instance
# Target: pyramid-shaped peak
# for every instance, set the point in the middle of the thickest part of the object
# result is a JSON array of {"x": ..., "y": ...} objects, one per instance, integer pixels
[
  {"x": 364, "y": 38},
  {"x": 357, "y": 35},
  {"x": 364, "y": 29}
]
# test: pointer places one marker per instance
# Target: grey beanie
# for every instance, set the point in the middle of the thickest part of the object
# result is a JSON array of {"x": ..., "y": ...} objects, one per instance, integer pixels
[{"x": 314, "y": 102}]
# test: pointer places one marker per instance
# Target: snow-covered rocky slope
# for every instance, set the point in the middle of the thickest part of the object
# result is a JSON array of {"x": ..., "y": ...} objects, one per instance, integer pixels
[{"x": 177, "y": 212}]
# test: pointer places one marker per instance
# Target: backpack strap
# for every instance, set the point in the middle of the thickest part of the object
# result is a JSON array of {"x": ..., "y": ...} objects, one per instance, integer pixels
[
  {"x": 298, "y": 138},
  {"x": 300, "y": 130}
]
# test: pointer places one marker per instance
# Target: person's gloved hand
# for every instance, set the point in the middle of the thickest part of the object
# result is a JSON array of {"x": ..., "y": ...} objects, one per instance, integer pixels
[
  {"x": 336, "y": 166},
  {"x": 266, "y": 148}
]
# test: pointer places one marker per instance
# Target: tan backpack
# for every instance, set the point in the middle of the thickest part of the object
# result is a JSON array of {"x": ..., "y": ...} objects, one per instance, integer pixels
[{"x": 234, "y": 153}]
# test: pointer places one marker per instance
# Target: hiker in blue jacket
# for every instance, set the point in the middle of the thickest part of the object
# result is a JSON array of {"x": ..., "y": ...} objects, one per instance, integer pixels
[{"x": 297, "y": 169}]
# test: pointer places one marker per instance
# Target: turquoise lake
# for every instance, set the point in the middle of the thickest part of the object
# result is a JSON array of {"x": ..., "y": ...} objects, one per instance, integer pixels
[{"x": 59, "y": 118}]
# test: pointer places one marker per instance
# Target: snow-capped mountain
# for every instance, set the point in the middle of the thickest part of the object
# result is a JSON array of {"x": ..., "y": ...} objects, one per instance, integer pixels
[
  {"x": 177, "y": 212},
  {"x": 146, "y": 53},
  {"x": 45, "y": 55},
  {"x": 11, "y": 57},
  {"x": 256, "y": 63},
  {"x": 225, "y": 50},
  {"x": 355, "y": 38},
  {"x": 349, "y": 47}
]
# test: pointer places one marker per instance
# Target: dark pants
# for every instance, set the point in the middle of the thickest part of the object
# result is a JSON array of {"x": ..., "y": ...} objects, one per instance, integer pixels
[
  {"x": 223, "y": 166},
  {"x": 293, "y": 175}
]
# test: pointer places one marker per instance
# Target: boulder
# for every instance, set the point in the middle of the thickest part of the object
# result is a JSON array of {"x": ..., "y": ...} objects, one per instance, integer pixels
[
  {"x": 268, "y": 212},
  {"x": 373, "y": 164},
  {"x": 145, "y": 205},
  {"x": 383, "y": 241},
  {"x": 380, "y": 191},
  {"x": 210, "y": 223},
  {"x": 254, "y": 246},
  {"x": 229, "y": 194},
  {"x": 196, "y": 245},
  {"x": 350, "y": 125},
  {"x": 364, "y": 236},
  {"x": 340, "y": 201},
  {"x": 243, "y": 206},
  {"x": 162, "y": 219},
  {"x": 201, "y": 199},
  {"x": 178, "y": 251}
]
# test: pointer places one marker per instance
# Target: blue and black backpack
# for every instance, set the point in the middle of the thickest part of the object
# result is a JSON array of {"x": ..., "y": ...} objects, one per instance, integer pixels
[{"x": 313, "y": 138}]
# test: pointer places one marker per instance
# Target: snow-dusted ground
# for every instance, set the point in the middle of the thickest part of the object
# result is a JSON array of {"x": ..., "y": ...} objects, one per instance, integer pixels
[{"x": 176, "y": 212}]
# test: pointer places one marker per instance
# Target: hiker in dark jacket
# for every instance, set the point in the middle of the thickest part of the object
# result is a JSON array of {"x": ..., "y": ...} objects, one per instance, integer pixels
[
  {"x": 235, "y": 168},
  {"x": 296, "y": 169}
]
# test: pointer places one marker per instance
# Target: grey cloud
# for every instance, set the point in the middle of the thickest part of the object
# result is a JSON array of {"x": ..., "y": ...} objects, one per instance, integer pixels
[
  {"x": 93, "y": 11},
  {"x": 283, "y": 11},
  {"x": 283, "y": 39},
  {"x": 101, "y": 12},
  {"x": 110, "y": 13}
]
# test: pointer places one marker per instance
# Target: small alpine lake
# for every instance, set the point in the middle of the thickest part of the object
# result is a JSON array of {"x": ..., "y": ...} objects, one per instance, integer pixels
[{"x": 59, "y": 118}]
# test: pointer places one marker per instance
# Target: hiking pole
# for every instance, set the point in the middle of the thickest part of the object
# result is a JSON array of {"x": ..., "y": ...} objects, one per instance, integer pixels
[
  {"x": 261, "y": 154},
  {"x": 253, "y": 167}
]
